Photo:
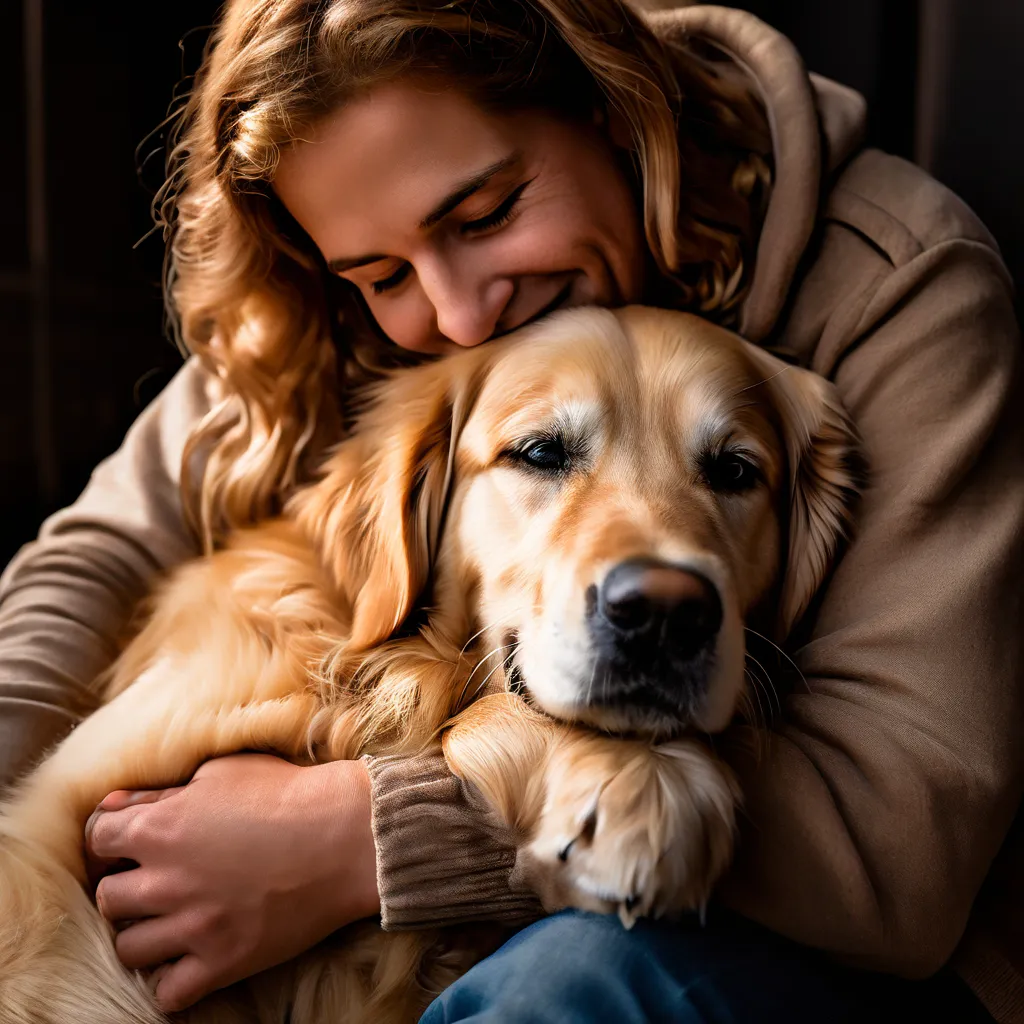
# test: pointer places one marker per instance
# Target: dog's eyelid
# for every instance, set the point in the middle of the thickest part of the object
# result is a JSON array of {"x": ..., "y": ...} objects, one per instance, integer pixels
[
  {"x": 718, "y": 445},
  {"x": 525, "y": 452},
  {"x": 742, "y": 452},
  {"x": 732, "y": 468}
]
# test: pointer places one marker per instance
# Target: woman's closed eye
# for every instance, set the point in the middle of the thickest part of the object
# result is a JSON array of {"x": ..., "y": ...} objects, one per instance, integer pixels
[
  {"x": 393, "y": 280},
  {"x": 499, "y": 216}
]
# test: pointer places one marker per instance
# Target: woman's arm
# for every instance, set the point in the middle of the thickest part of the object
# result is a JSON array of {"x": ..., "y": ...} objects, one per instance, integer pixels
[
  {"x": 889, "y": 787},
  {"x": 66, "y": 597},
  {"x": 896, "y": 770},
  {"x": 442, "y": 858}
]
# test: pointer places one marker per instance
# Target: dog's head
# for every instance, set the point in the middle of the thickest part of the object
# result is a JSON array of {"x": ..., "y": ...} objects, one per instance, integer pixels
[{"x": 607, "y": 498}]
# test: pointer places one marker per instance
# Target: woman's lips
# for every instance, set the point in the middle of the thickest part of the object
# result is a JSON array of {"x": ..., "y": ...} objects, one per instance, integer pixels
[
  {"x": 555, "y": 303},
  {"x": 558, "y": 301}
]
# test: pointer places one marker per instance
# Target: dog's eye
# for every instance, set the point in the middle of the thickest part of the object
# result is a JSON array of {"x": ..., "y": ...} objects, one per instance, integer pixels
[
  {"x": 549, "y": 454},
  {"x": 730, "y": 472}
]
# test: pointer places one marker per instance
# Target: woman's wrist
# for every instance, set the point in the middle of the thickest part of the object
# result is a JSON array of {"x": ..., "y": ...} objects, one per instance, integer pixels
[
  {"x": 337, "y": 795},
  {"x": 442, "y": 858}
]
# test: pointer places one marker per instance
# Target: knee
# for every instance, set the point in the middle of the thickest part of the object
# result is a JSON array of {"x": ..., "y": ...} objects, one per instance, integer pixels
[{"x": 571, "y": 967}]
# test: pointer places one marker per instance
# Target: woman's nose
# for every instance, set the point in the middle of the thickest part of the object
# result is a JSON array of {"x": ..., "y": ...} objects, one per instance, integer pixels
[{"x": 468, "y": 311}]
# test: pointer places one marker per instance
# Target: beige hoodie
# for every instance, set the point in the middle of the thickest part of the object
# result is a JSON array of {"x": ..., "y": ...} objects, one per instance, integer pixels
[{"x": 894, "y": 775}]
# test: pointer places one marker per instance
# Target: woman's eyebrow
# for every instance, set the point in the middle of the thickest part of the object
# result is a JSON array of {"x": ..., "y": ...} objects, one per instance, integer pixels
[
  {"x": 458, "y": 195},
  {"x": 462, "y": 192},
  {"x": 339, "y": 266}
]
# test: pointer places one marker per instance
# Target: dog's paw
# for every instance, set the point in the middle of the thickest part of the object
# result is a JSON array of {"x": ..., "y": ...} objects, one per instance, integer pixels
[{"x": 630, "y": 828}]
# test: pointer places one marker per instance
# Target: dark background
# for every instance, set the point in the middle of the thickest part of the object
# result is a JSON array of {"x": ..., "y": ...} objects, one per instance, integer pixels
[{"x": 82, "y": 85}]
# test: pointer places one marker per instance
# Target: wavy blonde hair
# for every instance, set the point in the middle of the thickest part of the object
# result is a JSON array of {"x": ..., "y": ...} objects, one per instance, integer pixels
[{"x": 248, "y": 293}]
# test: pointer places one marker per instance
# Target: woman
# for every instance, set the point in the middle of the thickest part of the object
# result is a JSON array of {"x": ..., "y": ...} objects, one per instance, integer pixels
[{"x": 360, "y": 180}]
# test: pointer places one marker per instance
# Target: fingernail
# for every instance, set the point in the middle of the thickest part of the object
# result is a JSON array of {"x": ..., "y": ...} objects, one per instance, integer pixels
[
  {"x": 154, "y": 979},
  {"x": 120, "y": 798}
]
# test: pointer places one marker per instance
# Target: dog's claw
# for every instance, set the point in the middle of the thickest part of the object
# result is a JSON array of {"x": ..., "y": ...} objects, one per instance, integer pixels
[
  {"x": 588, "y": 826},
  {"x": 626, "y": 910}
]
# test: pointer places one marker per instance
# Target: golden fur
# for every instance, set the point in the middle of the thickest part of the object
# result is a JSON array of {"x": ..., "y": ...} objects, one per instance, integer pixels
[{"x": 297, "y": 638}]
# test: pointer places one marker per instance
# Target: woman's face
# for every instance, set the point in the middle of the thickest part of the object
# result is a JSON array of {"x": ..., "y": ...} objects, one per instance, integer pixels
[{"x": 456, "y": 224}]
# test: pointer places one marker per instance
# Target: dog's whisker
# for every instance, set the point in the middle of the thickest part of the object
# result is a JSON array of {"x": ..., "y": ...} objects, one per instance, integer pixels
[
  {"x": 744, "y": 705},
  {"x": 487, "y": 656},
  {"x": 766, "y": 716},
  {"x": 758, "y": 731},
  {"x": 757, "y": 714},
  {"x": 777, "y": 373},
  {"x": 490, "y": 625},
  {"x": 590, "y": 685},
  {"x": 765, "y": 680},
  {"x": 605, "y": 681},
  {"x": 500, "y": 665},
  {"x": 772, "y": 643},
  {"x": 469, "y": 678},
  {"x": 509, "y": 660}
]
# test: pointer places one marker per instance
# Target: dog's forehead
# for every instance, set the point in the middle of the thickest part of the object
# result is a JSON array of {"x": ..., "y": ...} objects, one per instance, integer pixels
[{"x": 631, "y": 360}]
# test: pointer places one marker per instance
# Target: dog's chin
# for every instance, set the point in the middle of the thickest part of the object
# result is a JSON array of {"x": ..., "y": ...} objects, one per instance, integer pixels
[
  {"x": 652, "y": 722},
  {"x": 653, "y": 718},
  {"x": 614, "y": 699}
]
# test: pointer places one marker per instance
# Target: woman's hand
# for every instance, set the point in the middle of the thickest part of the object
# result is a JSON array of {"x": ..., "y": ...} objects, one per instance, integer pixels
[{"x": 251, "y": 863}]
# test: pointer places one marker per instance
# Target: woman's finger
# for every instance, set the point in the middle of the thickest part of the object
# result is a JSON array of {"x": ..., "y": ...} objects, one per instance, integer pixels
[
  {"x": 105, "y": 835},
  {"x": 122, "y": 798},
  {"x": 131, "y": 896},
  {"x": 153, "y": 979},
  {"x": 106, "y": 831},
  {"x": 95, "y": 866},
  {"x": 149, "y": 943},
  {"x": 182, "y": 983}
]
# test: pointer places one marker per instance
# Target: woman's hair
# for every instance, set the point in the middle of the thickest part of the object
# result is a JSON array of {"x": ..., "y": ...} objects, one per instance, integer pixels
[{"x": 248, "y": 293}]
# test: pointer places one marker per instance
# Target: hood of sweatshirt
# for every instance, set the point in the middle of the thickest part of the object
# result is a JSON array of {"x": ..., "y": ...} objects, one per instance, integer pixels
[{"x": 816, "y": 124}]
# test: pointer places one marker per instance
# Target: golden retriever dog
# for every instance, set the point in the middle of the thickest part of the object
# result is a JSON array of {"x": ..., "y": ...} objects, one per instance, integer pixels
[{"x": 540, "y": 554}]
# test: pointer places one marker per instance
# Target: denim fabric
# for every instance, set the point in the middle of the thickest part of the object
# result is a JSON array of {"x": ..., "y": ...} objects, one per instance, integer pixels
[{"x": 579, "y": 968}]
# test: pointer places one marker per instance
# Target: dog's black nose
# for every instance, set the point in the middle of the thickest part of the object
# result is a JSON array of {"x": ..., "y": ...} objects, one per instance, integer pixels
[{"x": 651, "y": 604}]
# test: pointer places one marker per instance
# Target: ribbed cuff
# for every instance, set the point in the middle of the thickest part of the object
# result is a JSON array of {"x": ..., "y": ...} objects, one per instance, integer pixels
[
  {"x": 440, "y": 860},
  {"x": 995, "y": 982}
]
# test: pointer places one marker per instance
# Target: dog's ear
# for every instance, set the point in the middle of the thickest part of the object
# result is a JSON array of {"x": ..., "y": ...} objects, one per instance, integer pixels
[
  {"x": 825, "y": 476},
  {"x": 377, "y": 514}
]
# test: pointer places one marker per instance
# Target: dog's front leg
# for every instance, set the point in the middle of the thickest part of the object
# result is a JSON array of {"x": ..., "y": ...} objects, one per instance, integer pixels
[
  {"x": 500, "y": 746},
  {"x": 605, "y": 824},
  {"x": 631, "y": 827}
]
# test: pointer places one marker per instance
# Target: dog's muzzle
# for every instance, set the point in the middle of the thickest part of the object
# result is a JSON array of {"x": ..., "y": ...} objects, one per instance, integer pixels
[{"x": 653, "y": 629}]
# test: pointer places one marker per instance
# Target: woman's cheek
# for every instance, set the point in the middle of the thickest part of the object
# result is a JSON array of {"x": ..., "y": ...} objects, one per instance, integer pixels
[
  {"x": 542, "y": 245},
  {"x": 404, "y": 320}
]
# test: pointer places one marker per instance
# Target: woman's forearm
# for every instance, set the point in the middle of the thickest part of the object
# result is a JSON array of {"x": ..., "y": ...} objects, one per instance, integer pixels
[
  {"x": 877, "y": 808},
  {"x": 441, "y": 858},
  {"x": 888, "y": 785}
]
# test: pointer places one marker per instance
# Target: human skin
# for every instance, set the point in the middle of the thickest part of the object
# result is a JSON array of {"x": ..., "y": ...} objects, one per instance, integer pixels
[
  {"x": 550, "y": 221},
  {"x": 250, "y": 863}
]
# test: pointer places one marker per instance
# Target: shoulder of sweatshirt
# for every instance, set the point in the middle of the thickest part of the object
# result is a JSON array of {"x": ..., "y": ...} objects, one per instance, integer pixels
[{"x": 900, "y": 208}]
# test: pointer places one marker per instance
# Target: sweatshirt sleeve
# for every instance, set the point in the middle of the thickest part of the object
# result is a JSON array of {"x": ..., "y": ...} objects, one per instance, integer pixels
[
  {"x": 895, "y": 770},
  {"x": 66, "y": 598},
  {"x": 890, "y": 783},
  {"x": 441, "y": 858}
]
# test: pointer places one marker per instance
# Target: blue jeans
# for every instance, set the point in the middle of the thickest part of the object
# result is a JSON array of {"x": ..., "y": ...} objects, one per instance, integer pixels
[{"x": 578, "y": 968}]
